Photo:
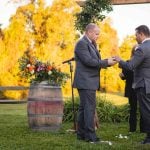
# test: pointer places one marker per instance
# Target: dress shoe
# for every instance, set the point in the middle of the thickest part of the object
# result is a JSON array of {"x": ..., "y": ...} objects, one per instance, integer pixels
[{"x": 146, "y": 141}]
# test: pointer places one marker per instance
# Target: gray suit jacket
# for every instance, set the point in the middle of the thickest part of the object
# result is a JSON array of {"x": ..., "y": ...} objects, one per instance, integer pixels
[
  {"x": 88, "y": 65},
  {"x": 140, "y": 63}
]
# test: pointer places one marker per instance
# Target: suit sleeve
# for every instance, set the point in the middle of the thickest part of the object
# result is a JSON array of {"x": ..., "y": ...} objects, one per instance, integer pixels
[
  {"x": 134, "y": 62},
  {"x": 81, "y": 50}
]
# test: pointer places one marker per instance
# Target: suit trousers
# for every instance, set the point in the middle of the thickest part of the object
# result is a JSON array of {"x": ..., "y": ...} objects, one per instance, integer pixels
[
  {"x": 144, "y": 103},
  {"x": 86, "y": 112},
  {"x": 133, "y": 109}
]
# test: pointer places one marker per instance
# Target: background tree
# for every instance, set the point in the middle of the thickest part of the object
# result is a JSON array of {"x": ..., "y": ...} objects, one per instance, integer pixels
[
  {"x": 125, "y": 53},
  {"x": 108, "y": 45},
  {"x": 126, "y": 47},
  {"x": 92, "y": 11},
  {"x": 48, "y": 31}
]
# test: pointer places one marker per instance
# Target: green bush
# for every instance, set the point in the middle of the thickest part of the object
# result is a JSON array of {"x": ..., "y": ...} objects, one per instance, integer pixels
[
  {"x": 68, "y": 109},
  {"x": 107, "y": 112}
]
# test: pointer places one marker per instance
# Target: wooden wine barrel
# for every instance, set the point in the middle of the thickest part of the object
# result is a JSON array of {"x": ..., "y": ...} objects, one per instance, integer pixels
[{"x": 45, "y": 107}]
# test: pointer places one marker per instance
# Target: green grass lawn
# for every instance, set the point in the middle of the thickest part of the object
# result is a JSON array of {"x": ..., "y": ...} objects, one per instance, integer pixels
[{"x": 15, "y": 134}]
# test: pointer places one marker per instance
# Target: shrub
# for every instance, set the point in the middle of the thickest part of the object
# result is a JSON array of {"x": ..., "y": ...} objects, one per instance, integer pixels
[
  {"x": 68, "y": 110},
  {"x": 107, "y": 112}
]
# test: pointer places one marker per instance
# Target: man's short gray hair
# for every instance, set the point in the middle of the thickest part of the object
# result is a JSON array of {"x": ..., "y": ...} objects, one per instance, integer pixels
[{"x": 90, "y": 26}]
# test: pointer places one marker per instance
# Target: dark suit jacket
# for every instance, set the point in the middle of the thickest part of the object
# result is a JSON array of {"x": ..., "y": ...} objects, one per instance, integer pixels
[
  {"x": 88, "y": 65},
  {"x": 140, "y": 63},
  {"x": 128, "y": 76}
]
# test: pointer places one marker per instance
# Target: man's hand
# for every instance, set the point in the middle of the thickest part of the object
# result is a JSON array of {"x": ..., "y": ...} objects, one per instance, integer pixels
[
  {"x": 116, "y": 58},
  {"x": 111, "y": 61}
]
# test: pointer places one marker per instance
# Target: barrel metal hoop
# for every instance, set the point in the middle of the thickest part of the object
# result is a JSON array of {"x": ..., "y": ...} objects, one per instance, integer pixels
[
  {"x": 45, "y": 115},
  {"x": 45, "y": 99}
]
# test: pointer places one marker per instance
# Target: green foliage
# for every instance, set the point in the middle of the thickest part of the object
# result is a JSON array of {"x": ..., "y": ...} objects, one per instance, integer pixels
[
  {"x": 68, "y": 109},
  {"x": 107, "y": 112},
  {"x": 36, "y": 71},
  {"x": 93, "y": 11}
]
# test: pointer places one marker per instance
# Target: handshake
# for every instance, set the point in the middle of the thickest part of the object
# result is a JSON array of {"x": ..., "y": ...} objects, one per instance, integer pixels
[{"x": 113, "y": 60}]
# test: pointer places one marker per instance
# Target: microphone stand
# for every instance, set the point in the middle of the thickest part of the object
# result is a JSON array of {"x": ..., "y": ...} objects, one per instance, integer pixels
[{"x": 72, "y": 94}]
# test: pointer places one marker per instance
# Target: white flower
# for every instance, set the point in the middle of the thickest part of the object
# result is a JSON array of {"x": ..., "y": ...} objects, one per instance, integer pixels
[
  {"x": 120, "y": 136},
  {"x": 49, "y": 72},
  {"x": 108, "y": 142},
  {"x": 125, "y": 137},
  {"x": 32, "y": 72},
  {"x": 28, "y": 65}
]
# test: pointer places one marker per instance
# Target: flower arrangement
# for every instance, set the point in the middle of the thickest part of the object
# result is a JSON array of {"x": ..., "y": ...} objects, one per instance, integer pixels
[{"x": 37, "y": 71}]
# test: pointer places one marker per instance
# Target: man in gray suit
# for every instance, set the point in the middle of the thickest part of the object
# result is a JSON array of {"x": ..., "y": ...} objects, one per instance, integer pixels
[
  {"x": 87, "y": 81},
  {"x": 140, "y": 63}
]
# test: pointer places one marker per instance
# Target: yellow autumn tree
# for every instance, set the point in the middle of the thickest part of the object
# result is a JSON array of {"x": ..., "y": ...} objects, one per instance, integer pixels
[
  {"x": 47, "y": 30},
  {"x": 108, "y": 45},
  {"x": 54, "y": 33},
  {"x": 63, "y": 41},
  {"x": 126, "y": 47},
  {"x": 125, "y": 53},
  {"x": 14, "y": 42}
]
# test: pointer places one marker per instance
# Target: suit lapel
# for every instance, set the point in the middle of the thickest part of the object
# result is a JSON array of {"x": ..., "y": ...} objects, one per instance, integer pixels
[
  {"x": 92, "y": 47},
  {"x": 95, "y": 49}
]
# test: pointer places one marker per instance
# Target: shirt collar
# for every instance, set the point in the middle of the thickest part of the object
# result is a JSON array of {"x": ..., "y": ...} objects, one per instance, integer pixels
[
  {"x": 88, "y": 39},
  {"x": 145, "y": 40}
]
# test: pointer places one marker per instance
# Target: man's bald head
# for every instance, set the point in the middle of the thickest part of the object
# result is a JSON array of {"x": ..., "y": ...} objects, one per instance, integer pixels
[
  {"x": 92, "y": 31},
  {"x": 91, "y": 26}
]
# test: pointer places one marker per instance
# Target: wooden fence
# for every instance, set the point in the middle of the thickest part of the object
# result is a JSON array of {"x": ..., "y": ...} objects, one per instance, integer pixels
[
  {"x": 12, "y": 88},
  {"x": 118, "y": 2}
]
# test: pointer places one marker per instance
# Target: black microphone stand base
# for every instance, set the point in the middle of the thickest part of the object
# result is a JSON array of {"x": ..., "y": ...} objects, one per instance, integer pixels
[{"x": 71, "y": 131}]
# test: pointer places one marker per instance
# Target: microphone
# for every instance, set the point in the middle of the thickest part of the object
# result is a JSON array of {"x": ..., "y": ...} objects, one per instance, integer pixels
[{"x": 66, "y": 61}]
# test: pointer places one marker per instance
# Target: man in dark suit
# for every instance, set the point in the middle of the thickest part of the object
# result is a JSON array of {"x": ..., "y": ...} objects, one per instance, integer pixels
[
  {"x": 140, "y": 63},
  {"x": 127, "y": 75},
  {"x": 87, "y": 81}
]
